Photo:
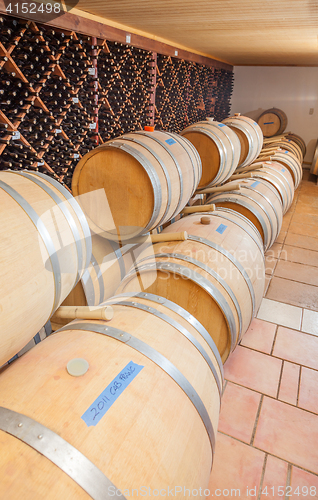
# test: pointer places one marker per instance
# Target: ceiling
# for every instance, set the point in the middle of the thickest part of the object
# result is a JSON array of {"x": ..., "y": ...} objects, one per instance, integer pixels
[{"x": 240, "y": 32}]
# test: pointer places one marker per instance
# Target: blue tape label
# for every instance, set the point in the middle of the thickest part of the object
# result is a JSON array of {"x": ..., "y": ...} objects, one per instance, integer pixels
[
  {"x": 108, "y": 397},
  {"x": 283, "y": 169},
  {"x": 268, "y": 123},
  {"x": 256, "y": 183},
  {"x": 170, "y": 141},
  {"x": 221, "y": 228},
  {"x": 286, "y": 152},
  {"x": 221, "y": 125}
]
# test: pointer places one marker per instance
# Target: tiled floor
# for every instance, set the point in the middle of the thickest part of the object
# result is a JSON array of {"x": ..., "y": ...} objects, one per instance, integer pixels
[{"x": 267, "y": 444}]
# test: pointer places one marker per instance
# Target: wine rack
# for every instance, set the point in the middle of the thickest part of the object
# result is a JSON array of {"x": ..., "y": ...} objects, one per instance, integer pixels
[
  {"x": 63, "y": 93},
  {"x": 188, "y": 92}
]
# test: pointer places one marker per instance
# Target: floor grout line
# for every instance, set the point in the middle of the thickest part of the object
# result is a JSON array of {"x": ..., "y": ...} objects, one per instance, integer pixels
[
  {"x": 274, "y": 398},
  {"x": 280, "y": 379},
  {"x": 299, "y": 382},
  {"x": 269, "y": 454},
  {"x": 288, "y": 479},
  {"x": 282, "y": 359},
  {"x": 274, "y": 341},
  {"x": 256, "y": 419},
  {"x": 262, "y": 478}
]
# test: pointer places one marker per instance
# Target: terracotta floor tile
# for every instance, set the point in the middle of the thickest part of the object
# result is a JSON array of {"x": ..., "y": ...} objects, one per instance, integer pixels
[
  {"x": 293, "y": 292},
  {"x": 310, "y": 322},
  {"x": 297, "y": 272},
  {"x": 275, "y": 476},
  {"x": 281, "y": 314},
  {"x": 238, "y": 412},
  {"x": 285, "y": 224},
  {"x": 302, "y": 479},
  {"x": 301, "y": 241},
  {"x": 270, "y": 264},
  {"x": 310, "y": 187},
  {"x": 305, "y": 219},
  {"x": 304, "y": 209},
  {"x": 288, "y": 389},
  {"x": 236, "y": 466},
  {"x": 308, "y": 199},
  {"x": 305, "y": 229},
  {"x": 308, "y": 394},
  {"x": 288, "y": 433},
  {"x": 301, "y": 255},
  {"x": 281, "y": 237},
  {"x": 297, "y": 347},
  {"x": 254, "y": 370},
  {"x": 274, "y": 250},
  {"x": 260, "y": 336}
]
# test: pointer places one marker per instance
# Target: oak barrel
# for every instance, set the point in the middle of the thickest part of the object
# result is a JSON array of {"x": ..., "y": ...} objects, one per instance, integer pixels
[
  {"x": 314, "y": 164},
  {"x": 217, "y": 274},
  {"x": 136, "y": 182},
  {"x": 108, "y": 266},
  {"x": 280, "y": 177},
  {"x": 290, "y": 161},
  {"x": 298, "y": 140},
  {"x": 145, "y": 412},
  {"x": 45, "y": 246},
  {"x": 219, "y": 149},
  {"x": 250, "y": 136},
  {"x": 259, "y": 201},
  {"x": 272, "y": 122}
]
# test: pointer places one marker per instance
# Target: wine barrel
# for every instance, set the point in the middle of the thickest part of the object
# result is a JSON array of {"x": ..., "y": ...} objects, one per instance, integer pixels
[
  {"x": 291, "y": 162},
  {"x": 45, "y": 246},
  {"x": 250, "y": 136},
  {"x": 67, "y": 439},
  {"x": 219, "y": 149},
  {"x": 259, "y": 201},
  {"x": 314, "y": 164},
  {"x": 217, "y": 273},
  {"x": 280, "y": 178},
  {"x": 298, "y": 140},
  {"x": 108, "y": 266},
  {"x": 286, "y": 144},
  {"x": 136, "y": 182},
  {"x": 272, "y": 122}
]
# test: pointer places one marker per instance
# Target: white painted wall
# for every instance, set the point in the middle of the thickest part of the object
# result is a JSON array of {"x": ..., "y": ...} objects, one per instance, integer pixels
[{"x": 292, "y": 89}]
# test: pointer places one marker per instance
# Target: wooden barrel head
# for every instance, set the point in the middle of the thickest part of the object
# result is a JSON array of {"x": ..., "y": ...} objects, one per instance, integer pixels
[
  {"x": 111, "y": 205},
  {"x": 209, "y": 155}
]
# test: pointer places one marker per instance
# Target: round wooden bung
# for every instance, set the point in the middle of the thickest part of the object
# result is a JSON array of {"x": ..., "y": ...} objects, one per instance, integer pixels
[
  {"x": 77, "y": 367},
  {"x": 205, "y": 220}
]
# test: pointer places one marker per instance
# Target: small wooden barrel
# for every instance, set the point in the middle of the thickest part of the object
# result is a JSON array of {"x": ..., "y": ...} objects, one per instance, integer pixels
[
  {"x": 280, "y": 178},
  {"x": 250, "y": 136},
  {"x": 145, "y": 413},
  {"x": 299, "y": 141},
  {"x": 259, "y": 201},
  {"x": 217, "y": 273},
  {"x": 286, "y": 144},
  {"x": 45, "y": 246},
  {"x": 314, "y": 165},
  {"x": 272, "y": 122},
  {"x": 290, "y": 161},
  {"x": 136, "y": 182},
  {"x": 219, "y": 149}
]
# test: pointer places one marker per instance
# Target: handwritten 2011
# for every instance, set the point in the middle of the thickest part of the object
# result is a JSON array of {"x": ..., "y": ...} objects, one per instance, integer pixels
[{"x": 107, "y": 398}]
